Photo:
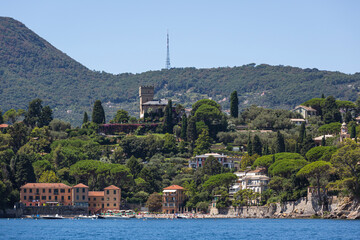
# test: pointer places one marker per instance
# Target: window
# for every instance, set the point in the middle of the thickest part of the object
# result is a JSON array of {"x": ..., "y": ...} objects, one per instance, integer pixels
[
  {"x": 49, "y": 197},
  {"x": 30, "y": 190},
  {"x": 43, "y": 190},
  {"x": 107, "y": 191},
  {"x": 62, "y": 198},
  {"x": 68, "y": 197},
  {"x": 30, "y": 198},
  {"x": 114, "y": 191},
  {"x": 107, "y": 199},
  {"x": 62, "y": 190},
  {"x": 24, "y": 190},
  {"x": 83, "y": 189},
  {"x": 114, "y": 198},
  {"x": 77, "y": 197},
  {"x": 24, "y": 197},
  {"x": 94, "y": 199},
  {"x": 94, "y": 204},
  {"x": 69, "y": 190},
  {"x": 83, "y": 197},
  {"x": 107, "y": 204},
  {"x": 50, "y": 190},
  {"x": 30, "y": 204},
  {"x": 43, "y": 197},
  {"x": 37, "y": 190},
  {"x": 114, "y": 204},
  {"x": 77, "y": 190},
  {"x": 55, "y": 198},
  {"x": 102, "y": 199}
]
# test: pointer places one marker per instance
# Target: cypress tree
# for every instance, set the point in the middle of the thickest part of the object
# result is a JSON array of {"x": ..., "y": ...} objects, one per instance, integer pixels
[
  {"x": 98, "y": 114},
  {"x": 266, "y": 149},
  {"x": 234, "y": 105},
  {"x": 353, "y": 131},
  {"x": 348, "y": 117},
  {"x": 249, "y": 147},
  {"x": 257, "y": 146},
  {"x": 323, "y": 141},
  {"x": 1, "y": 118},
  {"x": 183, "y": 128},
  {"x": 168, "y": 118},
  {"x": 280, "y": 143},
  {"x": 322, "y": 96},
  {"x": 86, "y": 118},
  {"x": 191, "y": 133},
  {"x": 302, "y": 133}
]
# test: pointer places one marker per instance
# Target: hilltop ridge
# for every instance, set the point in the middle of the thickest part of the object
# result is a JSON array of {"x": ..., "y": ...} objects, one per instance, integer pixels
[{"x": 31, "y": 67}]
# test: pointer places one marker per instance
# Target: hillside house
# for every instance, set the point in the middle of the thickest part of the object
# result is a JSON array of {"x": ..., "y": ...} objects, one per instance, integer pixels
[{"x": 305, "y": 111}]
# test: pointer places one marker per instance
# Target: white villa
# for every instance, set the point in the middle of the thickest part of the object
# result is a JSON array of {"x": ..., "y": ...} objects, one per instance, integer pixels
[
  {"x": 255, "y": 180},
  {"x": 199, "y": 160}
]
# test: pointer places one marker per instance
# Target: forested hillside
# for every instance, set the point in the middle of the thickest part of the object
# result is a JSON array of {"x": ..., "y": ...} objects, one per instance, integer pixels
[{"x": 31, "y": 68}]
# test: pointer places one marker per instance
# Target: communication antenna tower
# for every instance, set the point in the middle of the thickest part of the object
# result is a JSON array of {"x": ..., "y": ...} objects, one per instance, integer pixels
[{"x": 168, "y": 66}]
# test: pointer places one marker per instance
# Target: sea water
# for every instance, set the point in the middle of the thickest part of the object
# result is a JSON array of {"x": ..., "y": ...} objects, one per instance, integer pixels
[{"x": 179, "y": 229}]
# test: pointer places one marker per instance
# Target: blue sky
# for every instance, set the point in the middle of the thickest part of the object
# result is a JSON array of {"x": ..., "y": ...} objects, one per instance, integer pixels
[{"x": 130, "y": 36}]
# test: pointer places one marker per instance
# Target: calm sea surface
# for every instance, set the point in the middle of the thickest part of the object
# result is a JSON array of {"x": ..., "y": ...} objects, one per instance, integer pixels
[{"x": 180, "y": 229}]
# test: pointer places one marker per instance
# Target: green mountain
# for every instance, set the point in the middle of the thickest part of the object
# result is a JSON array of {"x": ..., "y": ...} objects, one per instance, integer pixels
[{"x": 30, "y": 67}]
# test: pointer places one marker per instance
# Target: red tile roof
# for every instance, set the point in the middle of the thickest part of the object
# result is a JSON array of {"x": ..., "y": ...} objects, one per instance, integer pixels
[
  {"x": 3, "y": 125},
  {"x": 96, "y": 193},
  {"x": 173, "y": 187},
  {"x": 45, "y": 185},
  {"x": 112, "y": 187},
  {"x": 80, "y": 185}
]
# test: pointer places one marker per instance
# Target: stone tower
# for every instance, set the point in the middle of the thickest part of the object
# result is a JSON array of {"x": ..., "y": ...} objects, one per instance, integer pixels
[{"x": 146, "y": 93}]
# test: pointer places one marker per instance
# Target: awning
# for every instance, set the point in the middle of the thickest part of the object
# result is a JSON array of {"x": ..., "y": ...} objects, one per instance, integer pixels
[{"x": 169, "y": 191}]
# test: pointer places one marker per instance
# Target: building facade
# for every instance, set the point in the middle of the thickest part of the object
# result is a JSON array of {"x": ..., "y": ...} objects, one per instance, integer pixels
[
  {"x": 41, "y": 194},
  {"x": 305, "y": 111},
  {"x": 59, "y": 194},
  {"x": 255, "y": 180},
  {"x": 200, "y": 160},
  {"x": 173, "y": 199},
  {"x": 148, "y": 103}
]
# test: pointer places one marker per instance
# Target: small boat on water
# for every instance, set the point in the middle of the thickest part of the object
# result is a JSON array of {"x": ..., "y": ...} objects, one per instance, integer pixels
[
  {"x": 87, "y": 217},
  {"x": 115, "y": 217},
  {"x": 56, "y": 216}
]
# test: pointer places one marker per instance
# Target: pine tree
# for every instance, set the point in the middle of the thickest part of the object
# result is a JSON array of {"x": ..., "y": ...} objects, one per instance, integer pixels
[
  {"x": 249, "y": 147},
  {"x": 280, "y": 143},
  {"x": 86, "y": 118},
  {"x": 234, "y": 105},
  {"x": 24, "y": 170},
  {"x": 98, "y": 114},
  {"x": 183, "y": 128},
  {"x": 257, "y": 146},
  {"x": 45, "y": 116},
  {"x": 168, "y": 118}
]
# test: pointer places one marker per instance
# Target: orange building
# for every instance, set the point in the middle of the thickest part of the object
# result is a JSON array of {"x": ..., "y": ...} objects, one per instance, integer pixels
[
  {"x": 112, "y": 198},
  {"x": 96, "y": 201},
  {"x": 39, "y": 194},
  {"x": 59, "y": 194},
  {"x": 80, "y": 195},
  {"x": 173, "y": 199}
]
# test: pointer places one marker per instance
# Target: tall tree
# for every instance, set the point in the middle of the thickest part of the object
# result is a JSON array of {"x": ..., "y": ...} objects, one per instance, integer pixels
[
  {"x": 234, "y": 105},
  {"x": 24, "y": 171},
  {"x": 191, "y": 133},
  {"x": 86, "y": 118},
  {"x": 319, "y": 170},
  {"x": 249, "y": 146},
  {"x": 280, "y": 143},
  {"x": 348, "y": 117},
  {"x": 183, "y": 127},
  {"x": 168, "y": 118},
  {"x": 212, "y": 166},
  {"x": 98, "y": 114},
  {"x": 203, "y": 143},
  {"x": 1, "y": 118},
  {"x": 121, "y": 116},
  {"x": 34, "y": 112},
  {"x": 331, "y": 111},
  {"x": 353, "y": 131},
  {"x": 134, "y": 166},
  {"x": 154, "y": 203},
  {"x": 257, "y": 145},
  {"x": 302, "y": 133},
  {"x": 45, "y": 117},
  {"x": 19, "y": 134}
]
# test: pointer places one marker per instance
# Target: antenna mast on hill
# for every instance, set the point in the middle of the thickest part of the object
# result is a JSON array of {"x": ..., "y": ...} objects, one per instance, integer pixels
[{"x": 168, "y": 66}]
